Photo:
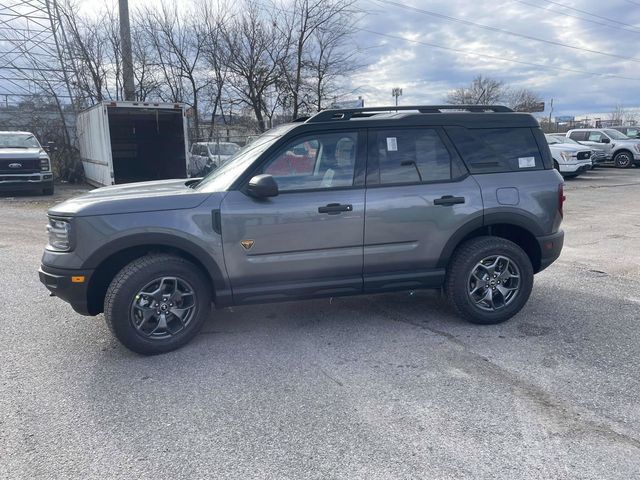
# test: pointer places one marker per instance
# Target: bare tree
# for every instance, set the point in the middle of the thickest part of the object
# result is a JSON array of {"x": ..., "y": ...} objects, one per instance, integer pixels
[
  {"x": 216, "y": 53},
  {"x": 254, "y": 65},
  {"x": 522, "y": 99},
  {"x": 481, "y": 91},
  {"x": 622, "y": 116},
  {"x": 178, "y": 48},
  {"x": 304, "y": 24}
]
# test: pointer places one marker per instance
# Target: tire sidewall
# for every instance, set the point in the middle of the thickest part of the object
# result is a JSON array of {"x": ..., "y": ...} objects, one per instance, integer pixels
[
  {"x": 467, "y": 263},
  {"x": 123, "y": 296},
  {"x": 629, "y": 159}
]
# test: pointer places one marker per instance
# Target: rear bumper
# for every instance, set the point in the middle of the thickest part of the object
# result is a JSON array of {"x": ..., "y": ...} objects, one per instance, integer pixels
[
  {"x": 59, "y": 282},
  {"x": 25, "y": 181},
  {"x": 550, "y": 248}
]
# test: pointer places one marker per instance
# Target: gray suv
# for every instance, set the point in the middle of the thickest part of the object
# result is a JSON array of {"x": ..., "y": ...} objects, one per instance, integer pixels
[{"x": 347, "y": 202}]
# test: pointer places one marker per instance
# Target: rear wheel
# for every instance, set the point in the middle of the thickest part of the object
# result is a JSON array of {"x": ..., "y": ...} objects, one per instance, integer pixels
[
  {"x": 157, "y": 303},
  {"x": 489, "y": 280},
  {"x": 623, "y": 159}
]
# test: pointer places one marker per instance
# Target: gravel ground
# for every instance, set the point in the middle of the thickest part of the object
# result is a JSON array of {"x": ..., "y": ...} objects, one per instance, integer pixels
[{"x": 388, "y": 386}]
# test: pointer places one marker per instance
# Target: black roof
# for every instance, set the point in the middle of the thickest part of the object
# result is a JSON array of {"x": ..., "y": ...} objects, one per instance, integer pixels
[{"x": 470, "y": 116}]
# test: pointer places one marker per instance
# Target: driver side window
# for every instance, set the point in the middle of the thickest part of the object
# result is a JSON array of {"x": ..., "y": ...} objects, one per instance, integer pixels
[{"x": 319, "y": 161}]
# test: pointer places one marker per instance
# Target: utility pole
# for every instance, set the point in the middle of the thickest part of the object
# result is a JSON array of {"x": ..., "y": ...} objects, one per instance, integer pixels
[
  {"x": 550, "y": 112},
  {"x": 396, "y": 92},
  {"x": 127, "y": 58}
]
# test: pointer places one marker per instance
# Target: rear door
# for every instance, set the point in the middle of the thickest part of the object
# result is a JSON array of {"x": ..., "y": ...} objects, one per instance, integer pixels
[
  {"x": 418, "y": 195},
  {"x": 307, "y": 241}
]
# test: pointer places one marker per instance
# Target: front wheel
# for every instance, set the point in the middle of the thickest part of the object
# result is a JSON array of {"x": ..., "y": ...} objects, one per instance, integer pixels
[
  {"x": 157, "y": 303},
  {"x": 489, "y": 280},
  {"x": 623, "y": 159}
]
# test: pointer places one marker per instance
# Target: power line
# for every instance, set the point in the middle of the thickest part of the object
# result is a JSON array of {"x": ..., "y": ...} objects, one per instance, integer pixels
[
  {"x": 494, "y": 57},
  {"x": 633, "y": 3},
  {"x": 595, "y": 22},
  {"x": 507, "y": 32},
  {"x": 592, "y": 14}
]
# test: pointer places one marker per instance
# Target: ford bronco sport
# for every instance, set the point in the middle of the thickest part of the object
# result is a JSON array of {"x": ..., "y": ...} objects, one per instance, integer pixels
[{"x": 346, "y": 202}]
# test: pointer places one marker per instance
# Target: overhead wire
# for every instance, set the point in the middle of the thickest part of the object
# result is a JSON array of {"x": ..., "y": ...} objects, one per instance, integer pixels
[{"x": 500, "y": 30}]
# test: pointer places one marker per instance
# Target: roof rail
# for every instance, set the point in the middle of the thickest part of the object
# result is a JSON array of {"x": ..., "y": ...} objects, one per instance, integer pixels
[{"x": 348, "y": 113}]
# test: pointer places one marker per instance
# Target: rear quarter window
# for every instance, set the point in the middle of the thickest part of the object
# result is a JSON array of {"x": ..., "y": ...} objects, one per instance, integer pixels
[{"x": 495, "y": 150}]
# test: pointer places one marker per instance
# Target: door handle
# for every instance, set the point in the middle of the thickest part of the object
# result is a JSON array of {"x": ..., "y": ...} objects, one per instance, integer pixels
[
  {"x": 335, "y": 208},
  {"x": 448, "y": 200}
]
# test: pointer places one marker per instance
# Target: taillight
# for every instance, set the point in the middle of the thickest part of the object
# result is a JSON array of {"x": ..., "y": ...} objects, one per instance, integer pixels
[{"x": 561, "y": 199}]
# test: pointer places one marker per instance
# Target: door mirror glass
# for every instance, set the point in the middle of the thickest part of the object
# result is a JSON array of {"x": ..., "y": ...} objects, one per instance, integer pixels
[
  {"x": 605, "y": 140},
  {"x": 262, "y": 186}
]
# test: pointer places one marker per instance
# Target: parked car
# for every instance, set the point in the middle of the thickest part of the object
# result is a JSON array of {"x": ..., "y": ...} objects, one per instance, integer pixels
[
  {"x": 618, "y": 148},
  {"x": 207, "y": 156},
  {"x": 569, "y": 159},
  {"x": 598, "y": 157},
  {"x": 379, "y": 199},
  {"x": 24, "y": 163},
  {"x": 631, "y": 132}
]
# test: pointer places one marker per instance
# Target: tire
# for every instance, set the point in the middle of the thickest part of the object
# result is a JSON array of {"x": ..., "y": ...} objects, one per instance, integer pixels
[
  {"x": 556, "y": 165},
  {"x": 623, "y": 159},
  {"x": 48, "y": 190},
  {"x": 132, "y": 315},
  {"x": 460, "y": 280}
]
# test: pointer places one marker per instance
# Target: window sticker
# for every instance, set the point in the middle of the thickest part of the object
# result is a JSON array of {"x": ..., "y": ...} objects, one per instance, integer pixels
[
  {"x": 392, "y": 144},
  {"x": 526, "y": 162}
]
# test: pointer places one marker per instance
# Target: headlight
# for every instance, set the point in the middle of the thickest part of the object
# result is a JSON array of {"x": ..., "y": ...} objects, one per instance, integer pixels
[
  {"x": 567, "y": 155},
  {"x": 58, "y": 231},
  {"x": 44, "y": 162}
]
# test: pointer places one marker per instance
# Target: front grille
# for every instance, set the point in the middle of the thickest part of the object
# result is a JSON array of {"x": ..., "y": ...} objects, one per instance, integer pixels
[
  {"x": 28, "y": 165},
  {"x": 584, "y": 155},
  {"x": 19, "y": 178}
]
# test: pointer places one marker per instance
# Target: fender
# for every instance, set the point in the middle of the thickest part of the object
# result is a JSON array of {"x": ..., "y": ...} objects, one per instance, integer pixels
[
  {"x": 221, "y": 286},
  {"x": 503, "y": 217}
]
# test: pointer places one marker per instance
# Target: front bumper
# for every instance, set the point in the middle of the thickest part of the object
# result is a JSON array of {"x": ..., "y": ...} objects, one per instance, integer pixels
[
  {"x": 550, "y": 248},
  {"x": 60, "y": 282},
  {"x": 575, "y": 168},
  {"x": 25, "y": 181}
]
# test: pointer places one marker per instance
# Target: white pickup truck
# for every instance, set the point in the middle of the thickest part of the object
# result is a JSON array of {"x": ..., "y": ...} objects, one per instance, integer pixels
[
  {"x": 568, "y": 158},
  {"x": 24, "y": 163}
]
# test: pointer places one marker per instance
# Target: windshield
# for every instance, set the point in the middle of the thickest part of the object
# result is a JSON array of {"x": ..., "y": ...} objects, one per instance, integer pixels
[
  {"x": 223, "y": 177},
  {"x": 18, "y": 140},
  {"x": 223, "y": 148},
  {"x": 561, "y": 139},
  {"x": 616, "y": 135}
]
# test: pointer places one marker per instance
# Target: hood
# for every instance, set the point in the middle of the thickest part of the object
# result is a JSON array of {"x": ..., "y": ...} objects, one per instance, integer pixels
[
  {"x": 569, "y": 147},
  {"x": 133, "y": 198},
  {"x": 20, "y": 153}
]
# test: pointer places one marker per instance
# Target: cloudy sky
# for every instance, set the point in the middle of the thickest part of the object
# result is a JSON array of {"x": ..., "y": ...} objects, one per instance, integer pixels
[
  {"x": 578, "y": 52},
  {"x": 406, "y": 49}
]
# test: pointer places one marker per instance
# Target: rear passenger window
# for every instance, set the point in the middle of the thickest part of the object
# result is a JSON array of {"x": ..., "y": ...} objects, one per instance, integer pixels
[
  {"x": 493, "y": 150},
  {"x": 578, "y": 136},
  {"x": 413, "y": 155}
]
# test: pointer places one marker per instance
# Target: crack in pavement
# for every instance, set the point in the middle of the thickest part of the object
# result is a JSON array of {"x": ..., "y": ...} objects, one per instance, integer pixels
[{"x": 565, "y": 415}]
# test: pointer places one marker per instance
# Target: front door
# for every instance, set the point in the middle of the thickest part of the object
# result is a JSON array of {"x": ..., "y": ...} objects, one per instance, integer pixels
[
  {"x": 418, "y": 197},
  {"x": 595, "y": 140},
  {"x": 307, "y": 241}
]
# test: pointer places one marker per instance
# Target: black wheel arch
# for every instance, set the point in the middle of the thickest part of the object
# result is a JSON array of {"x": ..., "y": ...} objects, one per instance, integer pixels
[
  {"x": 112, "y": 257},
  {"x": 514, "y": 227}
]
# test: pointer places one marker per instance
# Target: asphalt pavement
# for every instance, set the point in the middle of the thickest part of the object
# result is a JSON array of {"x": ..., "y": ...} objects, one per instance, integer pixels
[{"x": 374, "y": 387}]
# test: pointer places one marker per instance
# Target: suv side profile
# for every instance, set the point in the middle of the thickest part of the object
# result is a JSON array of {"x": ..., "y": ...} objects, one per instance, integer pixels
[
  {"x": 347, "y": 202},
  {"x": 622, "y": 150}
]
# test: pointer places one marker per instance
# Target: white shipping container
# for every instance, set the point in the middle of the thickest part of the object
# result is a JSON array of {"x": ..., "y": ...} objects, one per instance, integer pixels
[{"x": 123, "y": 142}]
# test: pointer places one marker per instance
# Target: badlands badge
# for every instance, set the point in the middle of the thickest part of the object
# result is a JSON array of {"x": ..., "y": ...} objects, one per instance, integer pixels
[{"x": 246, "y": 244}]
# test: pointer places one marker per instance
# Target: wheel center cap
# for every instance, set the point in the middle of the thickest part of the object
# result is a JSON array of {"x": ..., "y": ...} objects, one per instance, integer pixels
[{"x": 164, "y": 307}]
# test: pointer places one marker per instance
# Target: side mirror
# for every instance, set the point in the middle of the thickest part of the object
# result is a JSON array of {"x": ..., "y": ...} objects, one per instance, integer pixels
[
  {"x": 262, "y": 186},
  {"x": 300, "y": 151},
  {"x": 606, "y": 140}
]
